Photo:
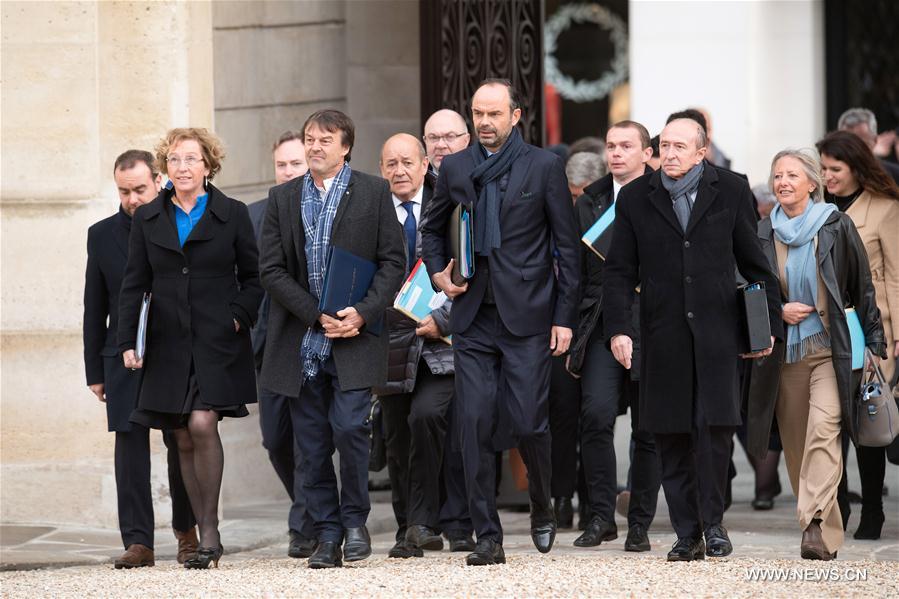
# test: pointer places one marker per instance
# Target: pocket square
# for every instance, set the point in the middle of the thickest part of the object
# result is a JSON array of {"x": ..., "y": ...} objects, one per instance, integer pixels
[{"x": 526, "y": 194}]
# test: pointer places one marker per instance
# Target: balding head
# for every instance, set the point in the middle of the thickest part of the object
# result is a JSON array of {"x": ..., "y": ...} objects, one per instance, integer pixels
[
  {"x": 445, "y": 133},
  {"x": 404, "y": 164},
  {"x": 682, "y": 145}
]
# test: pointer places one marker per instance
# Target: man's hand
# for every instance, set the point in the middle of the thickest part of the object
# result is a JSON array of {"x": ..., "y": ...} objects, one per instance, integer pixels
[
  {"x": 347, "y": 323},
  {"x": 444, "y": 280},
  {"x": 559, "y": 340},
  {"x": 623, "y": 349},
  {"x": 98, "y": 390},
  {"x": 427, "y": 328},
  {"x": 130, "y": 361},
  {"x": 761, "y": 353},
  {"x": 796, "y": 312}
]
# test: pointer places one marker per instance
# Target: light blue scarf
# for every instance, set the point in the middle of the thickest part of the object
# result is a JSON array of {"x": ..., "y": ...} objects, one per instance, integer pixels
[{"x": 799, "y": 234}]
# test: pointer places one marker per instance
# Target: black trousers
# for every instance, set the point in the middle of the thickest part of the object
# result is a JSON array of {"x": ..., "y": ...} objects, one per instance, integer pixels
[
  {"x": 132, "y": 475},
  {"x": 564, "y": 418},
  {"x": 695, "y": 474},
  {"x": 276, "y": 422},
  {"x": 603, "y": 384},
  {"x": 416, "y": 428},
  {"x": 502, "y": 397}
]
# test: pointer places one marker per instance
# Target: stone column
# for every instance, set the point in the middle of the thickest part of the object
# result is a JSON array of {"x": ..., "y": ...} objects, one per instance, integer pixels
[{"x": 82, "y": 82}]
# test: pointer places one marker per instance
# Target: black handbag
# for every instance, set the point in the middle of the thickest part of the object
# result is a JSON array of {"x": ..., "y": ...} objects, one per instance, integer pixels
[
  {"x": 377, "y": 457},
  {"x": 878, "y": 414}
]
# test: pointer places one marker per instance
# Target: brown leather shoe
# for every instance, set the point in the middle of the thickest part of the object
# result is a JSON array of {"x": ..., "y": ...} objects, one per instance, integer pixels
[
  {"x": 136, "y": 556},
  {"x": 187, "y": 544},
  {"x": 812, "y": 546}
]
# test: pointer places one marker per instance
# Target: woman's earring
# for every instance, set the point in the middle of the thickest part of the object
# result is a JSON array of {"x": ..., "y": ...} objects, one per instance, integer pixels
[{"x": 205, "y": 182}]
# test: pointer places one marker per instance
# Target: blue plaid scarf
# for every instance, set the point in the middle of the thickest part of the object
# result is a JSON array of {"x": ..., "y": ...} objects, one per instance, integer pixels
[{"x": 317, "y": 219}]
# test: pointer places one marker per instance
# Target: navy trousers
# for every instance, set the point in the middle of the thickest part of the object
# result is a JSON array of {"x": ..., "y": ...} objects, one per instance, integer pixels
[
  {"x": 276, "y": 416},
  {"x": 132, "y": 475},
  {"x": 325, "y": 419},
  {"x": 502, "y": 393}
]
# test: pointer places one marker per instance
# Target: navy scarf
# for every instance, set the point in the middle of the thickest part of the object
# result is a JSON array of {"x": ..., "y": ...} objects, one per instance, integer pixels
[{"x": 486, "y": 177}]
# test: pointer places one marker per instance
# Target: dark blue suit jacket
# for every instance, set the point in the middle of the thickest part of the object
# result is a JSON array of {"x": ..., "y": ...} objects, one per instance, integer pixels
[{"x": 536, "y": 216}]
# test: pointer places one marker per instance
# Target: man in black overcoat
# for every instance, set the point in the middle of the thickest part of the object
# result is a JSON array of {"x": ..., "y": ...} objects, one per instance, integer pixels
[
  {"x": 330, "y": 362},
  {"x": 514, "y": 313},
  {"x": 679, "y": 233},
  {"x": 117, "y": 386}
]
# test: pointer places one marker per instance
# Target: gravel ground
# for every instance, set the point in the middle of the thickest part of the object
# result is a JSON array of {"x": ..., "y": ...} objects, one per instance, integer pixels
[{"x": 526, "y": 574}]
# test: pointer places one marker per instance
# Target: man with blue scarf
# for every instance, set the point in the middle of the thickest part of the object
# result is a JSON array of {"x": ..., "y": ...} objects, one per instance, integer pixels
[
  {"x": 514, "y": 313},
  {"x": 328, "y": 364},
  {"x": 679, "y": 234}
]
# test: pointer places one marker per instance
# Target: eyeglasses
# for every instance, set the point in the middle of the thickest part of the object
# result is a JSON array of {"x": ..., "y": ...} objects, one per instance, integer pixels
[
  {"x": 447, "y": 137},
  {"x": 187, "y": 161}
]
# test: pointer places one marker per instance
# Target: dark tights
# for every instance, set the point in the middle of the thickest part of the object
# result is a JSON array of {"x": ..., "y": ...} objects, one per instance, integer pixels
[{"x": 202, "y": 463}]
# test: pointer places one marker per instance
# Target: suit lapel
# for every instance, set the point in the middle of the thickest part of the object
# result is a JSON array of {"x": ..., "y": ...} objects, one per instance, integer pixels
[
  {"x": 121, "y": 233},
  {"x": 708, "y": 191},
  {"x": 659, "y": 198},
  {"x": 516, "y": 180},
  {"x": 344, "y": 203},
  {"x": 294, "y": 199}
]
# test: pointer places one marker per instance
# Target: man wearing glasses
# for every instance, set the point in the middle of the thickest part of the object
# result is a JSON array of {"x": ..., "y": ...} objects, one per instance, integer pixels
[{"x": 445, "y": 133}]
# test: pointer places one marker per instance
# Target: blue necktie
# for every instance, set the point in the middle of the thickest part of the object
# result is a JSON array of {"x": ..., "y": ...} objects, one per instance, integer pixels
[{"x": 410, "y": 227}]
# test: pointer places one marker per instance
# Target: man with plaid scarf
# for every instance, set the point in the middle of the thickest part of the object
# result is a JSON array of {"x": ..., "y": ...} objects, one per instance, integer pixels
[{"x": 328, "y": 364}]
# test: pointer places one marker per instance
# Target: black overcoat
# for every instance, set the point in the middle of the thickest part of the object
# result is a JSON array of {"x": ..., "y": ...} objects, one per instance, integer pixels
[
  {"x": 107, "y": 254},
  {"x": 688, "y": 301},
  {"x": 843, "y": 266},
  {"x": 198, "y": 291},
  {"x": 366, "y": 225}
]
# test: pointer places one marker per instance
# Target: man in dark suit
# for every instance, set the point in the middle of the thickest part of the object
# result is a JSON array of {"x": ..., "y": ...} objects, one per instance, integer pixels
[
  {"x": 275, "y": 417},
  {"x": 679, "y": 233},
  {"x": 514, "y": 313},
  {"x": 117, "y": 386},
  {"x": 605, "y": 383},
  {"x": 329, "y": 362},
  {"x": 417, "y": 398}
]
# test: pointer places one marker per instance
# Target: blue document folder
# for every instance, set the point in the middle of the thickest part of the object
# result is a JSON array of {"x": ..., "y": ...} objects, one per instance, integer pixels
[
  {"x": 856, "y": 339},
  {"x": 599, "y": 236},
  {"x": 417, "y": 297},
  {"x": 347, "y": 280}
]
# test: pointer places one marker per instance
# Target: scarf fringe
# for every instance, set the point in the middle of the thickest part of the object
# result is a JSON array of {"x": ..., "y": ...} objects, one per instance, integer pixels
[{"x": 810, "y": 345}]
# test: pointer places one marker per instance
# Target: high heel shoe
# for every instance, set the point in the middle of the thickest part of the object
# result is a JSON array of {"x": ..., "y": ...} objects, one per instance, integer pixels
[{"x": 205, "y": 555}]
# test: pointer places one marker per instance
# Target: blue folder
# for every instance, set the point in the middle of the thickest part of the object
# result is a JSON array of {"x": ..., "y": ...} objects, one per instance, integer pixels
[
  {"x": 856, "y": 339},
  {"x": 417, "y": 298},
  {"x": 347, "y": 280},
  {"x": 599, "y": 236}
]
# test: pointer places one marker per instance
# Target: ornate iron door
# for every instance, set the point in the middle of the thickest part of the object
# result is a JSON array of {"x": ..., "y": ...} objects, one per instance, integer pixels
[{"x": 466, "y": 41}]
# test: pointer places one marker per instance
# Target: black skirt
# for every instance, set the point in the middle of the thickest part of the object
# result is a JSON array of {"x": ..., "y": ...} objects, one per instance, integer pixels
[{"x": 192, "y": 401}]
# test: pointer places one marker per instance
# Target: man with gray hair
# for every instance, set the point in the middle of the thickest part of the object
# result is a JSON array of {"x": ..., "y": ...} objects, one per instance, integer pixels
[
  {"x": 582, "y": 169},
  {"x": 863, "y": 123}
]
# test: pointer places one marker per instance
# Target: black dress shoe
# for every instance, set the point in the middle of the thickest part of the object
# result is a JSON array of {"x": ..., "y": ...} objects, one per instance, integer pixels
[
  {"x": 717, "y": 543},
  {"x": 637, "y": 539},
  {"x": 543, "y": 535},
  {"x": 687, "y": 550},
  {"x": 357, "y": 544},
  {"x": 597, "y": 531},
  {"x": 300, "y": 546},
  {"x": 564, "y": 512},
  {"x": 327, "y": 555},
  {"x": 459, "y": 540},
  {"x": 404, "y": 550},
  {"x": 424, "y": 538},
  {"x": 486, "y": 553}
]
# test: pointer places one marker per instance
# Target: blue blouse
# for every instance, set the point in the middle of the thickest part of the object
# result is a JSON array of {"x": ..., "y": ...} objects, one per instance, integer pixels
[{"x": 184, "y": 221}]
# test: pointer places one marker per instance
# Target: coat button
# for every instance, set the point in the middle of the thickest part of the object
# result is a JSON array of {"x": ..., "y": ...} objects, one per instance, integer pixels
[
  {"x": 821, "y": 312},
  {"x": 185, "y": 270},
  {"x": 686, "y": 244},
  {"x": 688, "y": 279},
  {"x": 690, "y": 315}
]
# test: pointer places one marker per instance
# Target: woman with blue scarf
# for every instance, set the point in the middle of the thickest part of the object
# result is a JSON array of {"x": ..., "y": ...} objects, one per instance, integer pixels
[{"x": 807, "y": 382}]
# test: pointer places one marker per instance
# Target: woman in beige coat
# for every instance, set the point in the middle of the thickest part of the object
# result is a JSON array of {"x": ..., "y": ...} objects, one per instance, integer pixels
[{"x": 858, "y": 185}]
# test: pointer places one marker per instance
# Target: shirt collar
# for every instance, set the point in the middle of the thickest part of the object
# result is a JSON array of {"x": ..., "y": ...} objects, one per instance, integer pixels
[
  {"x": 416, "y": 199},
  {"x": 326, "y": 184}
]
